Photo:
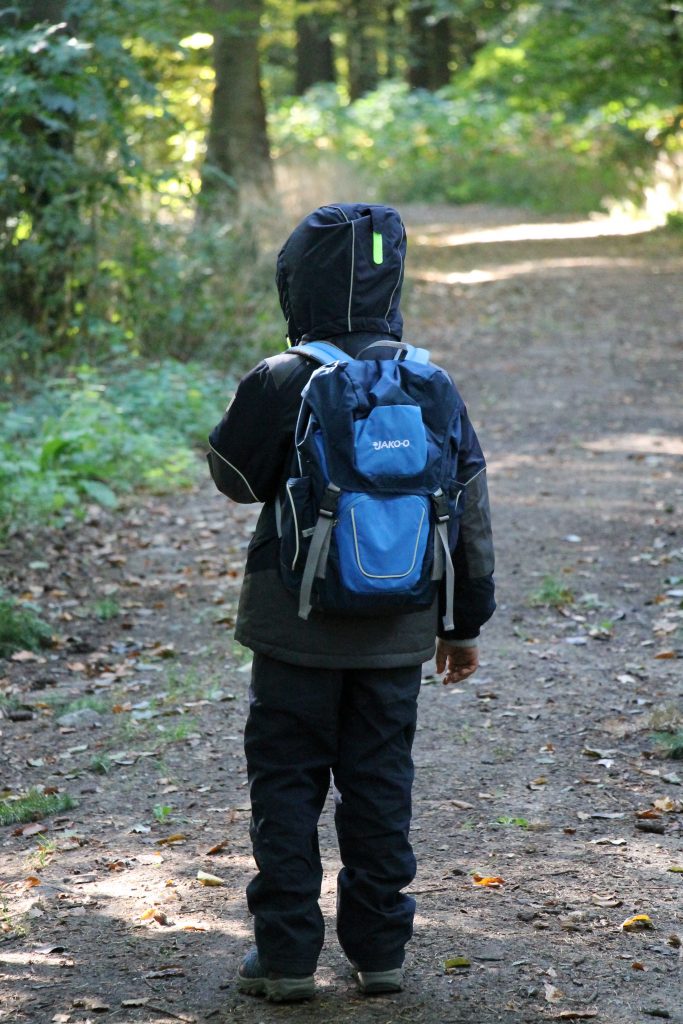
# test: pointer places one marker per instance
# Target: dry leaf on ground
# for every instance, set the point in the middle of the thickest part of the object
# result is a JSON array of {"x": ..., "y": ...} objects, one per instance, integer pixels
[
  {"x": 489, "y": 881},
  {"x": 206, "y": 879},
  {"x": 639, "y": 923}
]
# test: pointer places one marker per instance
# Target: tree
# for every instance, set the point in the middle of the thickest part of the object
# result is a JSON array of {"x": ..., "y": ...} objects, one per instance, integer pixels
[
  {"x": 362, "y": 19},
  {"x": 429, "y": 46},
  {"x": 314, "y": 51},
  {"x": 237, "y": 152}
]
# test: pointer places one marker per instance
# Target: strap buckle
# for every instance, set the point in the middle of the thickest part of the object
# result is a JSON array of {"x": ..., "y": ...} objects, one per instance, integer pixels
[
  {"x": 329, "y": 501},
  {"x": 440, "y": 502}
]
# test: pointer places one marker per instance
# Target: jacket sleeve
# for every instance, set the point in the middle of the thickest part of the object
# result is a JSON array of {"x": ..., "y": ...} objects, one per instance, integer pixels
[
  {"x": 250, "y": 446},
  {"x": 473, "y": 557}
]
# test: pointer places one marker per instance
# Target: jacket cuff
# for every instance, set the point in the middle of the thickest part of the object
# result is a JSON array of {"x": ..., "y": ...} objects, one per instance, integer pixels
[{"x": 457, "y": 641}]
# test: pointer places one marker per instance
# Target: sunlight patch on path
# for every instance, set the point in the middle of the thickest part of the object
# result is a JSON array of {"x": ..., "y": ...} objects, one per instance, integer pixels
[
  {"x": 446, "y": 235},
  {"x": 508, "y": 270},
  {"x": 638, "y": 444}
]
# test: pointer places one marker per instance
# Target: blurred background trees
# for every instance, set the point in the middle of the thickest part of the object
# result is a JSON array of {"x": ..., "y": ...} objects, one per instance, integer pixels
[{"x": 145, "y": 148}]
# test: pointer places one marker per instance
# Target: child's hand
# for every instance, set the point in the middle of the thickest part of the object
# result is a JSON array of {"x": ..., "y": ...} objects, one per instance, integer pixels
[{"x": 457, "y": 662}]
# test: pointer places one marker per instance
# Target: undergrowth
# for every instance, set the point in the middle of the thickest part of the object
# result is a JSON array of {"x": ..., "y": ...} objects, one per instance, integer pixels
[
  {"x": 552, "y": 593},
  {"x": 21, "y": 628},
  {"x": 92, "y": 436},
  {"x": 33, "y": 806}
]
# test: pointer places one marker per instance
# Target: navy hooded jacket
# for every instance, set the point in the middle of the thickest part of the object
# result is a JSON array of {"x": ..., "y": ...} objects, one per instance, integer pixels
[{"x": 339, "y": 276}]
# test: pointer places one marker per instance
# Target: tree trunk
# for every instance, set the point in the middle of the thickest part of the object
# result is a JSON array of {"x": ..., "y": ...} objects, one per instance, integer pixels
[
  {"x": 237, "y": 160},
  {"x": 33, "y": 12},
  {"x": 429, "y": 48},
  {"x": 361, "y": 47},
  {"x": 314, "y": 52}
]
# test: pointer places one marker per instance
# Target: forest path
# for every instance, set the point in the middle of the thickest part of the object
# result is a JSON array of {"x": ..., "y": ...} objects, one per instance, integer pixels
[{"x": 567, "y": 347}]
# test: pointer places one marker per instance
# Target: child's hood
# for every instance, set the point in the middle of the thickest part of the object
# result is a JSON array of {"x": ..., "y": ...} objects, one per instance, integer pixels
[{"x": 341, "y": 270}]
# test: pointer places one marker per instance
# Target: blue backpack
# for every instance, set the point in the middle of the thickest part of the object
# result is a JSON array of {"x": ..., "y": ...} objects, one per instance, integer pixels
[{"x": 369, "y": 515}]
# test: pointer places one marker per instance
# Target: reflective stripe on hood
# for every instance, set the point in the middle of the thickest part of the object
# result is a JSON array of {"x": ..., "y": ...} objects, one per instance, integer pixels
[{"x": 341, "y": 271}]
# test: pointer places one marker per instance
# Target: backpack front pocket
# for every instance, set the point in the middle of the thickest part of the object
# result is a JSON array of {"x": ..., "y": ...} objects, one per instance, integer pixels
[
  {"x": 391, "y": 442},
  {"x": 382, "y": 543}
]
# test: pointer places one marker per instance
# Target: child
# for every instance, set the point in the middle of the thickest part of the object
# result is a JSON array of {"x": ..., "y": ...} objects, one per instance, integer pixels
[{"x": 332, "y": 694}]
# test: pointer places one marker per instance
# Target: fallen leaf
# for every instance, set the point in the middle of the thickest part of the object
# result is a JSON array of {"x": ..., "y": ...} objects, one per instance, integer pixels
[
  {"x": 163, "y": 651},
  {"x": 606, "y": 901},
  {"x": 676, "y": 868},
  {"x": 194, "y": 928},
  {"x": 638, "y": 966},
  {"x": 177, "y": 837},
  {"x": 130, "y": 1003},
  {"x": 552, "y": 994},
  {"x": 32, "y": 829},
  {"x": 665, "y": 803},
  {"x": 161, "y": 918},
  {"x": 166, "y": 972},
  {"x": 206, "y": 879},
  {"x": 25, "y": 656},
  {"x": 639, "y": 923},
  {"x": 606, "y": 841},
  {"x": 575, "y": 1014},
  {"x": 149, "y": 913},
  {"x": 218, "y": 848},
  {"x": 490, "y": 881},
  {"x": 649, "y": 813},
  {"x": 457, "y": 961},
  {"x": 31, "y": 881},
  {"x": 93, "y": 1004},
  {"x": 666, "y": 654}
]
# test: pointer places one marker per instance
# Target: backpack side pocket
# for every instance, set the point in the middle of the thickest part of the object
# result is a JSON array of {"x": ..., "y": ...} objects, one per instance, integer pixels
[{"x": 297, "y": 524}]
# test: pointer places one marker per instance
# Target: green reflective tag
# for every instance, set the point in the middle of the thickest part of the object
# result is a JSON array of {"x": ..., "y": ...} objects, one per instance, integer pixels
[{"x": 377, "y": 253}]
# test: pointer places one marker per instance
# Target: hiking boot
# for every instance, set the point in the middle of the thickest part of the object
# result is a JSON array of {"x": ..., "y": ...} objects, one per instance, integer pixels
[
  {"x": 252, "y": 980},
  {"x": 374, "y": 983}
]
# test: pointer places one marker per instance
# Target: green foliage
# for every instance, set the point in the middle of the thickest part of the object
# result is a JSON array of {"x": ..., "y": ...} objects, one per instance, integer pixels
[
  {"x": 670, "y": 744},
  {"x": 552, "y": 592},
  {"x": 71, "y": 103},
  {"x": 90, "y": 438},
  {"x": 21, "y": 628},
  {"x": 464, "y": 145},
  {"x": 674, "y": 222},
  {"x": 33, "y": 806}
]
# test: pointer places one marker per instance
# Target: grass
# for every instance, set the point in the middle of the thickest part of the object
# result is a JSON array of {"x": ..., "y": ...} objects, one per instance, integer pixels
[
  {"x": 33, "y": 806},
  {"x": 21, "y": 628},
  {"x": 670, "y": 744},
  {"x": 552, "y": 593},
  {"x": 177, "y": 733},
  {"x": 60, "y": 706},
  {"x": 106, "y": 608},
  {"x": 44, "y": 853},
  {"x": 506, "y": 820},
  {"x": 162, "y": 812},
  {"x": 101, "y": 764},
  {"x": 8, "y": 925},
  {"x": 667, "y": 723}
]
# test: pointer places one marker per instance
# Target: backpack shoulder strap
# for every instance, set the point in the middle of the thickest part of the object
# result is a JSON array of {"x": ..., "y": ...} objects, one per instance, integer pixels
[
  {"x": 417, "y": 355},
  {"x": 323, "y": 352},
  {"x": 402, "y": 350}
]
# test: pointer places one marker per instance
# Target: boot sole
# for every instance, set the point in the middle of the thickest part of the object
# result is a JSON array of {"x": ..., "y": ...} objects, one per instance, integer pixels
[
  {"x": 376, "y": 983},
  {"x": 278, "y": 990}
]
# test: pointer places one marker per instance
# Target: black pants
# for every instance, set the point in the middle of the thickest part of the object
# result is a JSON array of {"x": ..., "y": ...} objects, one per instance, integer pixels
[{"x": 359, "y": 724}]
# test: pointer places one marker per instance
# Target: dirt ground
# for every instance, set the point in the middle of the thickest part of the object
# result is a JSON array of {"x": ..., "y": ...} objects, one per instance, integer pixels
[{"x": 567, "y": 345}]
